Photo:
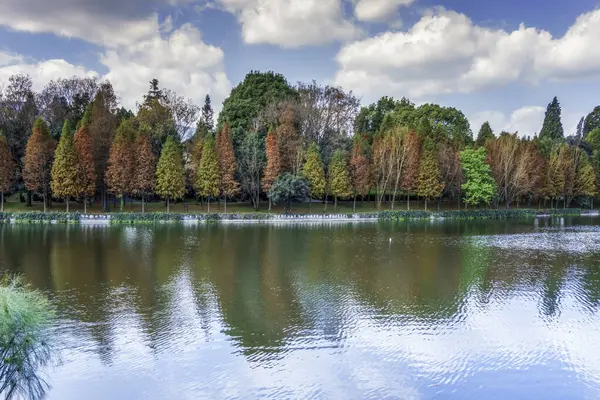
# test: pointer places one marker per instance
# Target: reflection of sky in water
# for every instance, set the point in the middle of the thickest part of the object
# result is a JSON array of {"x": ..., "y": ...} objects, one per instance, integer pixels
[{"x": 520, "y": 321}]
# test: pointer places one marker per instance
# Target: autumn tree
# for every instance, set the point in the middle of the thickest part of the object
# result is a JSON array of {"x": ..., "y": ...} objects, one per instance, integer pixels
[
  {"x": 339, "y": 178},
  {"x": 313, "y": 172},
  {"x": 65, "y": 173},
  {"x": 170, "y": 176},
  {"x": 84, "y": 147},
  {"x": 360, "y": 170},
  {"x": 430, "y": 185},
  {"x": 227, "y": 164},
  {"x": 389, "y": 157},
  {"x": 39, "y": 155},
  {"x": 119, "y": 173},
  {"x": 555, "y": 177},
  {"x": 412, "y": 149},
  {"x": 208, "y": 177},
  {"x": 290, "y": 145},
  {"x": 479, "y": 186},
  {"x": 8, "y": 167},
  {"x": 273, "y": 167},
  {"x": 144, "y": 172}
]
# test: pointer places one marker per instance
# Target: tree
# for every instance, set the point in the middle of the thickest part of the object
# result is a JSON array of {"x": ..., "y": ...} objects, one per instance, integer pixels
[
  {"x": 170, "y": 176},
  {"x": 552, "y": 127},
  {"x": 84, "y": 147},
  {"x": 39, "y": 155},
  {"x": 585, "y": 178},
  {"x": 208, "y": 178},
  {"x": 208, "y": 115},
  {"x": 183, "y": 110},
  {"x": 251, "y": 164},
  {"x": 592, "y": 121},
  {"x": 273, "y": 162},
  {"x": 8, "y": 168},
  {"x": 288, "y": 189},
  {"x": 339, "y": 179},
  {"x": 429, "y": 184},
  {"x": 144, "y": 172},
  {"x": 119, "y": 177},
  {"x": 65, "y": 174},
  {"x": 369, "y": 120},
  {"x": 479, "y": 186},
  {"x": 290, "y": 145},
  {"x": 485, "y": 133},
  {"x": 412, "y": 149},
  {"x": 444, "y": 121},
  {"x": 227, "y": 164},
  {"x": 555, "y": 176},
  {"x": 313, "y": 172},
  {"x": 593, "y": 138},
  {"x": 360, "y": 170}
]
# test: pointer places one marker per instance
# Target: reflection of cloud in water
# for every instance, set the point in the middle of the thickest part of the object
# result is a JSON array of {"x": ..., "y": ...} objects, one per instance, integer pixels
[{"x": 574, "y": 240}]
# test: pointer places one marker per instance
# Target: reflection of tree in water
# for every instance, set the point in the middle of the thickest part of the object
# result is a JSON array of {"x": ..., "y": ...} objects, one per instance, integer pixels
[{"x": 25, "y": 348}]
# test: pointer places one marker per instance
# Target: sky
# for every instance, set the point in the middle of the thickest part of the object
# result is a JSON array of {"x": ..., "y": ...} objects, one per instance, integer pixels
[{"x": 501, "y": 61}]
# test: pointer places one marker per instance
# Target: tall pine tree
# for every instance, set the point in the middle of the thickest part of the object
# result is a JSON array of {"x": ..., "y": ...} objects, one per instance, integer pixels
[
  {"x": 208, "y": 178},
  {"x": 64, "y": 169},
  {"x": 170, "y": 176},
  {"x": 121, "y": 162},
  {"x": 552, "y": 128},
  {"x": 8, "y": 167},
  {"x": 39, "y": 155},
  {"x": 313, "y": 172},
  {"x": 485, "y": 133},
  {"x": 227, "y": 164}
]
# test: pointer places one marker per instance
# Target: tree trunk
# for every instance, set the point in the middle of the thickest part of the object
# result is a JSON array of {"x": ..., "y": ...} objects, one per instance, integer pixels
[
  {"x": 225, "y": 204},
  {"x": 167, "y": 204},
  {"x": 85, "y": 204},
  {"x": 425, "y": 204},
  {"x": 408, "y": 201},
  {"x": 354, "y": 205},
  {"x": 143, "y": 205},
  {"x": 270, "y": 203},
  {"x": 44, "y": 201},
  {"x": 1, "y": 201},
  {"x": 29, "y": 198},
  {"x": 67, "y": 201},
  {"x": 334, "y": 203},
  {"x": 325, "y": 202},
  {"x": 122, "y": 202}
]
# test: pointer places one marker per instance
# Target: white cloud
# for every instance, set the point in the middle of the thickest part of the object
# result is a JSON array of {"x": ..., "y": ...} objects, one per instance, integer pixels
[
  {"x": 291, "y": 23},
  {"x": 379, "y": 10},
  {"x": 527, "y": 121},
  {"x": 445, "y": 52}
]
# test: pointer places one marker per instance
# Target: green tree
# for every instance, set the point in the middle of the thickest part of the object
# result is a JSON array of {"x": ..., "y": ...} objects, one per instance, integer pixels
[
  {"x": 593, "y": 138},
  {"x": 447, "y": 121},
  {"x": 479, "y": 186},
  {"x": 8, "y": 167},
  {"x": 65, "y": 171},
  {"x": 592, "y": 121},
  {"x": 430, "y": 185},
  {"x": 552, "y": 127},
  {"x": 339, "y": 178},
  {"x": 249, "y": 99},
  {"x": 170, "y": 176},
  {"x": 289, "y": 189},
  {"x": 208, "y": 177},
  {"x": 369, "y": 120},
  {"x": 313, "y": 172},
  {"x": 485, "y": 133},
  {"x": 84, "y": 147},
  {"x": 585, "y": 178}
]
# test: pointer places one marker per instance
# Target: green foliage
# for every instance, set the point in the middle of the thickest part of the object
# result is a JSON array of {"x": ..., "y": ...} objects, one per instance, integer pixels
[
  {"x": 208, "y": 176},
  {"x": 25, "y": 347},
  {"x": 65, "y": 166},
  {"x": 592, "y": 121},
  {"x": 585, "y": 178},
  {"x": 479, "y": 186},
  {"x": 593, "y": 138},
  {"x": 289, "y": 189},
  {"x": 430, "y": 185},
  {"x": 485, "y": 133},
  {"x": 370, "y": 119},
  {"x": 313, "y": 171},
  {"x": 170, "y": 178},
  {"x": 339, "y": 177},
  {"x": 400, "y": 215},
  {"x": 448, "y": 121},
  {"x": 249, "y": 99},
  {"x": 552, "y": 127},
  {"x": 36, "y": 217}
]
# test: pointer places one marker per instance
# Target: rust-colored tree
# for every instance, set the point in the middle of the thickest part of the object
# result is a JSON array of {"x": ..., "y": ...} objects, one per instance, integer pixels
[
  {"x": 360, "y": 170},
  {"x": 410, "y": 177},
  {"x": 273, "y": 167},
  {"x": 39, "y": 155},
  {"x": 144, "y": 173},
  {"x": 227, "y": 164},
  {"x": 8, "y": 167},
  {"x": 84, "y": 147},
  {"x": 289, "y": 142},
  {"x": 120, "y": 162}
]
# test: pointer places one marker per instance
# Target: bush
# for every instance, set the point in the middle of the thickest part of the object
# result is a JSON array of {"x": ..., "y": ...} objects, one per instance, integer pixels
[
  {"x": 37, "y": 217},
  {"x": 478, "y": 214}
]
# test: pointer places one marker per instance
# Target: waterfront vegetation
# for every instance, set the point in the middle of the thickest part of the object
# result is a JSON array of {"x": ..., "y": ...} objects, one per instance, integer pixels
[
  {"x": 278, "y": 144},
  {"x": 25, "y": 345}
]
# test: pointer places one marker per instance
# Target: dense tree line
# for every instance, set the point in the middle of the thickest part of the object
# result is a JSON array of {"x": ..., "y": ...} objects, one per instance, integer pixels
[{"x": 281, "y": 142}]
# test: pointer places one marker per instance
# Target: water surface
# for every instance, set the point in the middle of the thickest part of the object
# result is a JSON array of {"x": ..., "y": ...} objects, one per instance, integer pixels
[{"x": 411, "y": 310}]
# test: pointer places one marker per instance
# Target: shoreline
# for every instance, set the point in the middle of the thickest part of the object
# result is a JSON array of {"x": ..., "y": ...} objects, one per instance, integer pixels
[{"x": 61, "y": 217}]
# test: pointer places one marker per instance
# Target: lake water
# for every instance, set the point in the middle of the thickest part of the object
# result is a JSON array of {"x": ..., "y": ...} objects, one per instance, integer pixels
[{"x": 419, "y": 310}]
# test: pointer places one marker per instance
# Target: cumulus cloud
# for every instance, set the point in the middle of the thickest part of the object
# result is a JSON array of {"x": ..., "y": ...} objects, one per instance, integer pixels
[
  {"x": 291, "y": 23},
  {"x": 135, "y": 46},
  {"x": 527, "y": 121},
  {"x": 379, "y": 10},
  {"x": 444, "y": 52}
]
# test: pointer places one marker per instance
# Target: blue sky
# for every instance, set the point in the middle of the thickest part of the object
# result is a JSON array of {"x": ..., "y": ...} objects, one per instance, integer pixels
[{"x": 501, "y": 61}]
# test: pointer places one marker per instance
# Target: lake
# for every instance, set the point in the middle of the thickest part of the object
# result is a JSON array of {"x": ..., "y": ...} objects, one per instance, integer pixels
[{"x": 373, "y": 310}]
